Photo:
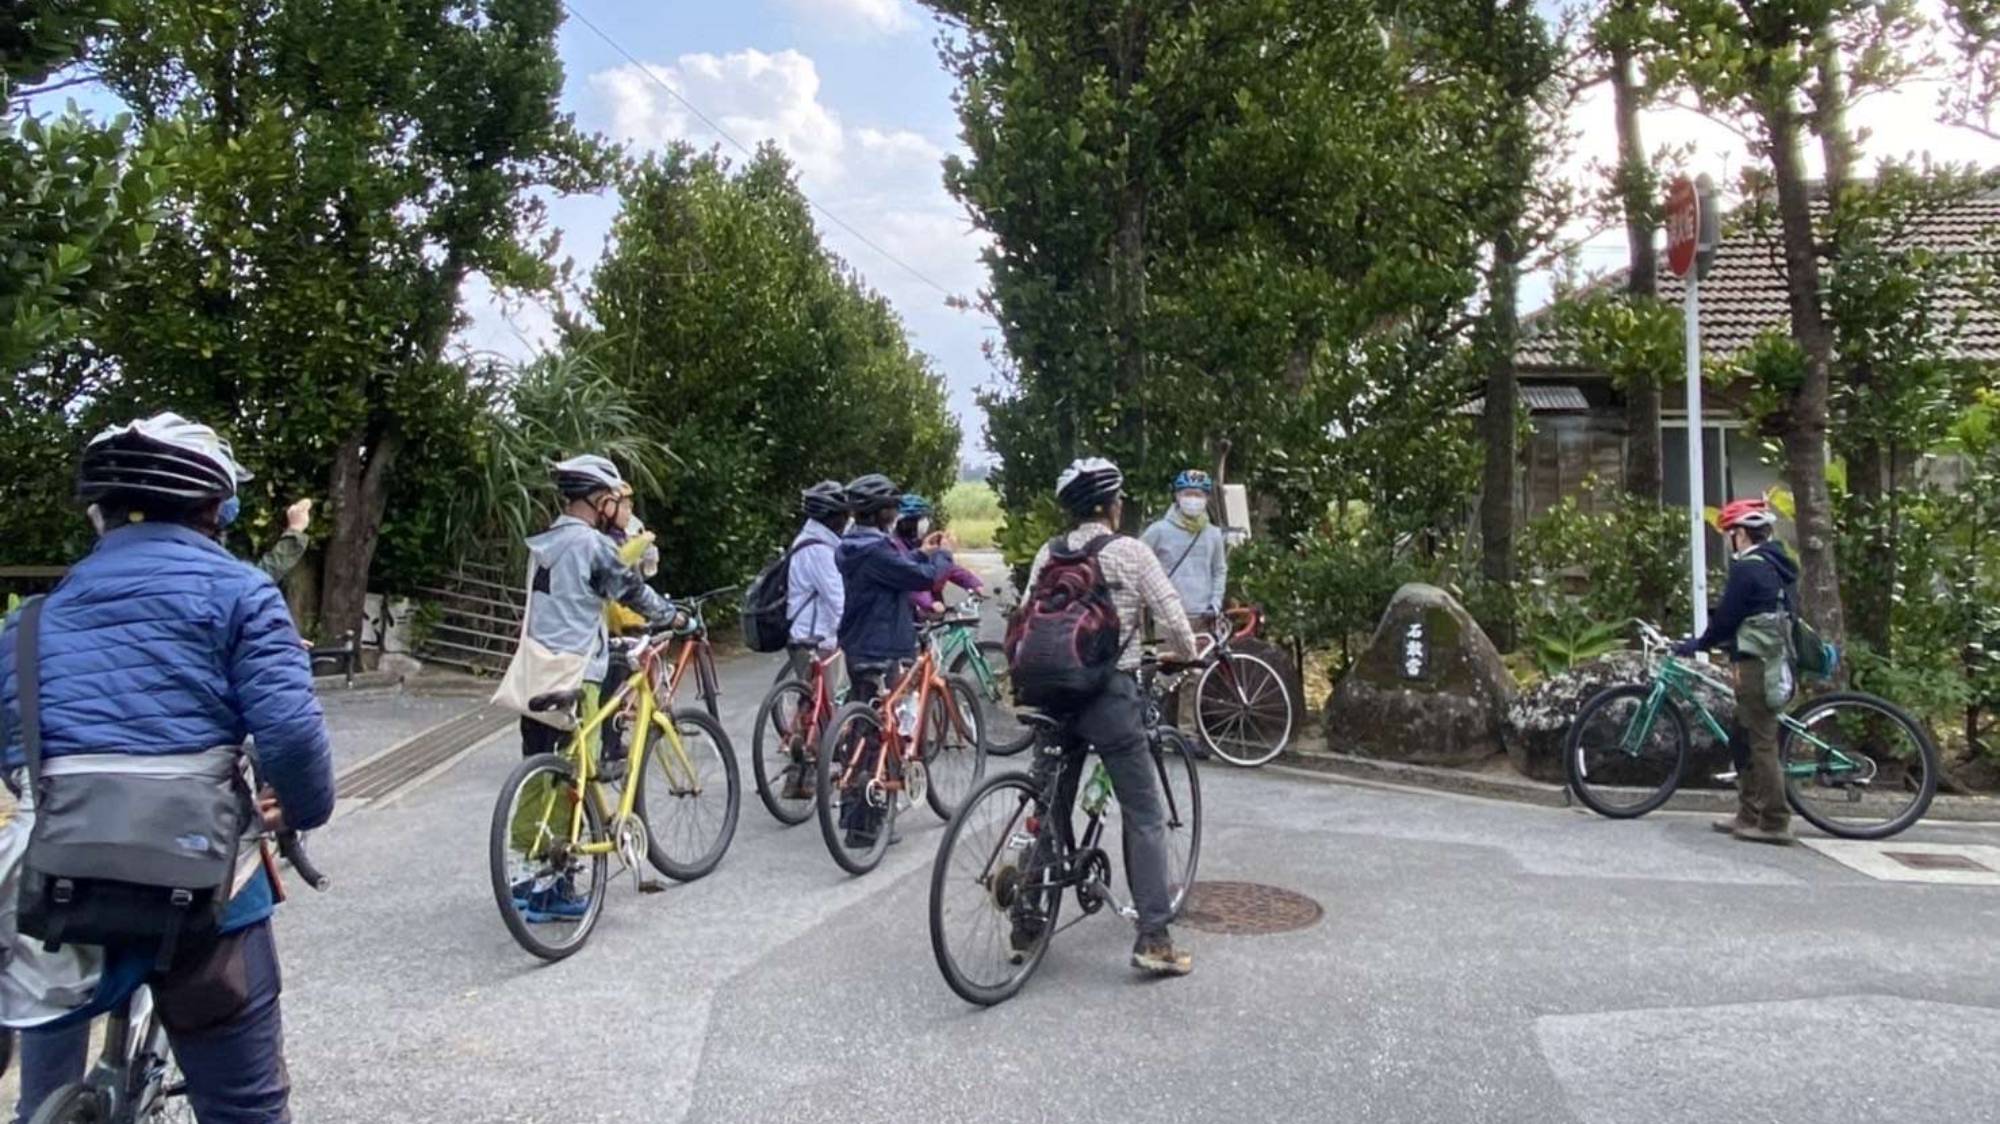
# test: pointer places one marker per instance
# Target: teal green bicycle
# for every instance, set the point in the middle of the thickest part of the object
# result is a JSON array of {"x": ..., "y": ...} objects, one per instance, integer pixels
[
  {"x": 1856, "y": 765},
  {"x": 983, "y": 663}
]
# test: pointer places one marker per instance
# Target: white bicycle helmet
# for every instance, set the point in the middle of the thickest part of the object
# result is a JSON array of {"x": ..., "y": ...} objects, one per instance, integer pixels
[
  {"x": 585, "y": 476},
  {"x": 1088, "y": 484},
  {"x": 164, "y": 457}
]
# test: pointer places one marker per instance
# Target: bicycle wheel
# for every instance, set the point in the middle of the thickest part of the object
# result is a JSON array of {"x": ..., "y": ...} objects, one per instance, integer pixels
[
  {"x": 1180, "y": 782},
  {"x": 549, "y": 892},
  {"x": 690, "y": 806},
  {"x": 983, "y": 889},
  {"x": 1857, "y": 766},
  {"x": 783, "y": 753},
  {"x": 856, "y": 818},
  {"x": 73, "y": 1104},
  {"x": 1243, "y": 710},
  {"x": 955, "y": 758},
  {"x": 1625, "y": 753},
  {"x": 1006, "y": 734}
]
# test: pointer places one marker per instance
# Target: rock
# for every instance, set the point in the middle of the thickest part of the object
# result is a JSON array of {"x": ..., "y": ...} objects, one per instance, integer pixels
[
  {"x": 1429, "y": 689},
  {"x": 1538, "y": 722}
]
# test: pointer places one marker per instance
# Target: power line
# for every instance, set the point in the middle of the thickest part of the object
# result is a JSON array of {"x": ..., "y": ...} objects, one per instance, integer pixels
[{"x": 718, "y": 130}]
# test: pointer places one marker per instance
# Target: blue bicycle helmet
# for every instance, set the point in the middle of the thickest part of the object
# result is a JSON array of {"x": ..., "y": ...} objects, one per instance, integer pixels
[
  {"x": 1193, "y": 479},
  {"x": 913, "y": 506}
]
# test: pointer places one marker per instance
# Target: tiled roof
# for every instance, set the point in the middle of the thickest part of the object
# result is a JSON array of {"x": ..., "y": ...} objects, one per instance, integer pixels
[
  {"x": 1743, "y": 294},
  {"x": 1539, "y": 400}
]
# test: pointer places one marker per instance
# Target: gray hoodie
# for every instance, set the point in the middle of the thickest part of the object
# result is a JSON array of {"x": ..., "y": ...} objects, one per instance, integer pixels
[
  {"x": 1197, "y": 563},
  {"x": 573, "y": 571}
]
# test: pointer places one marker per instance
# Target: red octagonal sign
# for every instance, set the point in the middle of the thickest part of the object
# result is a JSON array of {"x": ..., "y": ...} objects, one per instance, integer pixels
[{"x": 1683, "y": 225}]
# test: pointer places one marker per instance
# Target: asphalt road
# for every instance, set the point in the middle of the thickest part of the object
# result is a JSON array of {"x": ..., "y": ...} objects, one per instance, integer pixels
[{"x": 1477, "y": 961}]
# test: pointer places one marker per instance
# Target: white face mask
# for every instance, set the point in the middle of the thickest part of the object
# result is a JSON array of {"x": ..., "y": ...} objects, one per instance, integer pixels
[
  {"x": 923, "y": 528},
  {"x": 1193, "y": 506}
]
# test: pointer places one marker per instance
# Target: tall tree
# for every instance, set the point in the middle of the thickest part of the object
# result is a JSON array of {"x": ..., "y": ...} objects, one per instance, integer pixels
[
  {"x": 1620, "y": 35},
  {"x": 351, "y": 164},
  {"x": 760, "y": 360},
  {"x": 1198, "y": 214},
  {"x": 1787, "y": 73}
]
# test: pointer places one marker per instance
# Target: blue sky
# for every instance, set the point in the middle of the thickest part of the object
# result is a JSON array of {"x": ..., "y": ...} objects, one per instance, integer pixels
[{"x": 852, "y": 89}]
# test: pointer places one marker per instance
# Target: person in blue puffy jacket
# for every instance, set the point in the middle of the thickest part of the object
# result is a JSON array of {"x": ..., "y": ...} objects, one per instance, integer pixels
[{"x": 160, "y": 643}]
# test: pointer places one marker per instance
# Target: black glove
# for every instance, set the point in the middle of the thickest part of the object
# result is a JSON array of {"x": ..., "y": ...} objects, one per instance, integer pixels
[{"x": 1687, "y": 647}]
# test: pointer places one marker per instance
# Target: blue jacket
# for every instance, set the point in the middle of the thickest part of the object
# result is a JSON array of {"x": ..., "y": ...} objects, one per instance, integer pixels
[
  {"x": 160, "y": 642},
  {"x": 877, "y": 624}
]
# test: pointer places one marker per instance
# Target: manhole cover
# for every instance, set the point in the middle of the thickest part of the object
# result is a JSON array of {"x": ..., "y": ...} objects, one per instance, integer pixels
[
  {"x": 1924, "y": 860},
  {"x": 1244, "y": 908}
]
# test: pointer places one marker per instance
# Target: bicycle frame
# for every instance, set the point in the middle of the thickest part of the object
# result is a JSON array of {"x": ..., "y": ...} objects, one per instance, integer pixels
[
  {"x": 681, "y": 770},
  {"x": 955, "y": 639},
  {"x": 1677, "y": 680},
  {"x": 924, "y": 680}
]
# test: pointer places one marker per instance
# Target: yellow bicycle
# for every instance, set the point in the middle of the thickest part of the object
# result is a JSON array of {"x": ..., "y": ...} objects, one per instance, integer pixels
[{"x": 560, "y": 818}]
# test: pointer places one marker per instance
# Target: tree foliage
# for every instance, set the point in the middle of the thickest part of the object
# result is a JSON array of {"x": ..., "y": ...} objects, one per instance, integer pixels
[{"x": 756, "y": 356}]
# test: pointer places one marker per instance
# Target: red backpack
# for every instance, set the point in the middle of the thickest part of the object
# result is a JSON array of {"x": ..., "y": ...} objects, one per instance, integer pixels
[{"x": 1063, "y": 643}]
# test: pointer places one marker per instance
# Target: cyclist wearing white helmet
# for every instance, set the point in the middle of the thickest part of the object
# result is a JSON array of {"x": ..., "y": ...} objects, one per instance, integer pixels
[
  {"x": 1091, "y": 490},
  {"x": 193, "y": 652},
  {"x": 575, "y": 570},
  {"x": 1761, "y": 579}
]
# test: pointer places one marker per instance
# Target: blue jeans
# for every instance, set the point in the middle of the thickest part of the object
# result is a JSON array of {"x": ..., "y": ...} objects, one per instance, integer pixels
[{"x": 235, "y": 1069}]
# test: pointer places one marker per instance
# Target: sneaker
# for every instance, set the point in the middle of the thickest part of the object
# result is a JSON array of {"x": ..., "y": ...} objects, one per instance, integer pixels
[
  {"x": 555, "y": 903},
  {"x": 1157, "y": 955},
  {"x": 611, "y": 770},
  {"x": 857, "y": 840},
  {"x": 1778, "y": 836},
  {"x": 1730, "y": 825},
  {"x": 797, "y": 785},
  {"x": 522, "y": 891}
]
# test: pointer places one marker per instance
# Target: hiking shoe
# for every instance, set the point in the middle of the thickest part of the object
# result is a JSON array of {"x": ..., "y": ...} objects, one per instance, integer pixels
[
  {"x": 1780, "y": 836},
  {"x": 1158, "y": 956}
]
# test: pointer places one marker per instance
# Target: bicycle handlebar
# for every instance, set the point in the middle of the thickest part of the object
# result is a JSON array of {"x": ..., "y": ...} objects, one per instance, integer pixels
[{"x": 292, "y": 848}]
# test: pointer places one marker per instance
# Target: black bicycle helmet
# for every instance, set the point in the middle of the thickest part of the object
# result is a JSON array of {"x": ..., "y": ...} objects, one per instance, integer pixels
[
  {"x": 580, "y": 478},
  {"x": 869, "y": 494},
  {"x": 1088, "y": 484},
  {"x": 161, "y": 458},
  {"x": 824, "y": 500}
]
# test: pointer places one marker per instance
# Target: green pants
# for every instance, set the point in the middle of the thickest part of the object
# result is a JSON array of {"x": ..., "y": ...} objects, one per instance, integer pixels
[
  {"x": 533, "y": 810},
  {"x": 1760, "y": 777}
]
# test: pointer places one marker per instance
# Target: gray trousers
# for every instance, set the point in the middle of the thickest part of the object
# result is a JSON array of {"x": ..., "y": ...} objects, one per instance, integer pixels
[{"x": 1113, "y": 725}]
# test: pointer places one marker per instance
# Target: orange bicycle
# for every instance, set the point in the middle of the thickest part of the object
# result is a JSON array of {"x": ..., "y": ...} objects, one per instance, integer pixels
[
  {"x": 784, "y": 748},
  {"x": 925, "y": 739}
]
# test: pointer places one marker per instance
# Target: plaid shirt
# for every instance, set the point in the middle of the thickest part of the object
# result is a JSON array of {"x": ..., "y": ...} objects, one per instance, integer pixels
[{"x": 1138, "y": 583}]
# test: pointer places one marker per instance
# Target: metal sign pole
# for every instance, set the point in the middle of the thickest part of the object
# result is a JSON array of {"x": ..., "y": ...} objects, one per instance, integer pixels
[{"x": 1697, "y": 523}]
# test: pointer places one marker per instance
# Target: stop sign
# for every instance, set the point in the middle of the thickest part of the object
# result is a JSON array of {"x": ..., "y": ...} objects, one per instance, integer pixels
[{"x": 1683, "y": 225}]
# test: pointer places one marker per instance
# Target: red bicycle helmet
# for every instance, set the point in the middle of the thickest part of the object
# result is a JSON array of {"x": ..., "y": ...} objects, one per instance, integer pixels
[{"x": 1747, "y": 513}]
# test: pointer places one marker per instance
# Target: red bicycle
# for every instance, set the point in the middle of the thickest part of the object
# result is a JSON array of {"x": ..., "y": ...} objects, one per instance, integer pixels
[
  {"x": 784, "y": 749},
  {"x": 1243, "y": 706}
]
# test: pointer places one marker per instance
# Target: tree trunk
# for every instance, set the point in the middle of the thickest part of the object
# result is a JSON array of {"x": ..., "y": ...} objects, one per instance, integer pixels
[
  {"x": 1129, "y": 43},
  {"x": 357, "y": 492},
  {"x": 1805, "y": 421},
  {"x": 1497, "y": 425},
  {"x": 1643, "y": 473}
]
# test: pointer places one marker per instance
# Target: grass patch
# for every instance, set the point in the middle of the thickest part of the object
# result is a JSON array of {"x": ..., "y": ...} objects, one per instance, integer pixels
[{"x": 971, "y": 510}]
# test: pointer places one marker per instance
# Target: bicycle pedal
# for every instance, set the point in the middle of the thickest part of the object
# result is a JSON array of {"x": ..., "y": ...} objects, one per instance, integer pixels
[{"x": 651, "y": 885}]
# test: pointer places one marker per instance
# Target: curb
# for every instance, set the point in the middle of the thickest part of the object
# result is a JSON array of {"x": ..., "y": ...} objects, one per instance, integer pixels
[{"x": 1946, "y": 808}]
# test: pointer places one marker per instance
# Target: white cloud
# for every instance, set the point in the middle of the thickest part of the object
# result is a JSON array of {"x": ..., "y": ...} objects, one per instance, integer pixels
[
  {"x": 872, "y": 16},
  {"x": 753, "y": 96}
]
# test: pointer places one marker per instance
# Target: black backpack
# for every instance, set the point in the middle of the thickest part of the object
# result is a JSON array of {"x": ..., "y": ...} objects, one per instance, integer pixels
[
  {"x": 767, "y": 620},
  {"x": 1062, "y": 645}
]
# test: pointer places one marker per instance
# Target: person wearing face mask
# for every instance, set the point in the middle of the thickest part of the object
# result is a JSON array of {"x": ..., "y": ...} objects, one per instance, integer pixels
[
  {"x": 576, "y": 570},
  {"x": 913, "y": 529},
  {"x": 814, "y": 594},
  {"x": 1191, "y": 548}
]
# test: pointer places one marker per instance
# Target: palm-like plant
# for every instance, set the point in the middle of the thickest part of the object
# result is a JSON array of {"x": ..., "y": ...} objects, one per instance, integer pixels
[{"x": 557, "y": 405}]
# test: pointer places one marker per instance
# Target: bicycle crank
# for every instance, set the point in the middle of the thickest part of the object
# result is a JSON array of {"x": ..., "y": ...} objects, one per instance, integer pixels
[
  {"x": 633, "y": 842},
  {"x": 916, "y": 781}
]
